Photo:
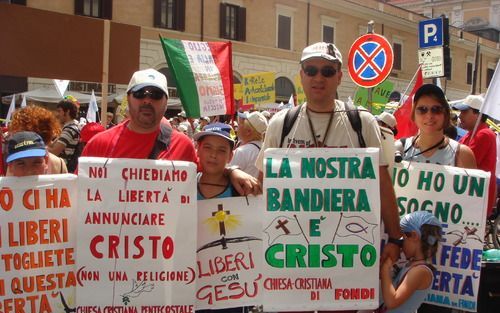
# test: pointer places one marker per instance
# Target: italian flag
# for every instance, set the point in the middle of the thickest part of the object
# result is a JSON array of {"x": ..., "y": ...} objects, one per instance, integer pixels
[{"x": 204, "y": 75}]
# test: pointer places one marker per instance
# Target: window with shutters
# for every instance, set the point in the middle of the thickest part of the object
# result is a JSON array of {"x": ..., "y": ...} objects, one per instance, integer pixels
[
  {"x": 489, "y": 75},
  {"x": 94, "y": 8},
  {"x": 284, "y": 32},
  {"x": 170, "y": 14},
  {"x": 397, "y": 48},
  {"x": 328, "y": 25},
  {"x": 469, "y": 73},
  {"x": 232, "y": 22}
]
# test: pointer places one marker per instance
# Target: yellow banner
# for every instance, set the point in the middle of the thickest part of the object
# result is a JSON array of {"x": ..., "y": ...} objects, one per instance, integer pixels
[
  {"x": 258, "y": 88},
  {"x": 238, "y": 91},
  {"x": 301, "y": 96}
]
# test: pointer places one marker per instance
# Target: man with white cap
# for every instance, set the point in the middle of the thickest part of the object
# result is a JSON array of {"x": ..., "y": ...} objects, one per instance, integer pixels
[
  {"x": 251, "y": 129},
  {"x": 483, "y": 143},
  {"x": 148, "y": 135},
  {"x": 322, "y": 122}
]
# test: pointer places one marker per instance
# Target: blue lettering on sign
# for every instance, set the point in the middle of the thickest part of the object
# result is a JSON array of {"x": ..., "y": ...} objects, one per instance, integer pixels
[
  {"x": 439, "y": 299},
  {"x": 460, "y": 257},
  {"x": 453, "y": 282}
]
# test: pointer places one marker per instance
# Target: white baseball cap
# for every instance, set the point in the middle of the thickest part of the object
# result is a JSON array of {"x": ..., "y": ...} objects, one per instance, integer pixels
[
  {"x": 324, "y": 50},
  {"x": 256, "y": 120},
  {"x": 470, "y": 102},
  {"x": 146, "y": 78},
  {"x": 387, "y": 118}
]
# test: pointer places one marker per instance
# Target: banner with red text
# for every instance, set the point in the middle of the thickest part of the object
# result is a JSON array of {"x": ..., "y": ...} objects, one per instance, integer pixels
[
  {"x": 229, "y": 252},
  {"x": 458, "y": 198},
  {"x": 203, "y": 74},
  {"x": 137, "y": 235},
  {"x": 321, "y": 229},
  {"x": 37, "y": 240}
]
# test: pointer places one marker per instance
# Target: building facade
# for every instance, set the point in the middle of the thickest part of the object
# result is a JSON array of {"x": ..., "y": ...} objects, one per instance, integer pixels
[{"x": 269, "y": 35}]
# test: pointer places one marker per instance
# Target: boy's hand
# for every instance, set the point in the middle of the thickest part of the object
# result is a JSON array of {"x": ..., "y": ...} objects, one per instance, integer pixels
[{"x": 244, "y": 183}]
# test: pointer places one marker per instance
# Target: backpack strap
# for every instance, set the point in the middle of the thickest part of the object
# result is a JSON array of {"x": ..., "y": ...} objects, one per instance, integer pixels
[
  {"x": 162, "y": 141},
  {"x": 256, "y": 145},
  {"x": 290, "y": 118},
  {"x": 355, "y": 120}
]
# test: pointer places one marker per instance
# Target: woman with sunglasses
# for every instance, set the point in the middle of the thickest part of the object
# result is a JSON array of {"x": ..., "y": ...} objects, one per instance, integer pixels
[{"x": 431, "y": 114}]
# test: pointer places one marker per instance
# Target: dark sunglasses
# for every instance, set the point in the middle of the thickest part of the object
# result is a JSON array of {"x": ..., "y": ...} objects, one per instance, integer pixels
[
  {"x": 154, "y": 94},
  {"x": 326, "y": 71},
  {"x": 435, "y": 109}
]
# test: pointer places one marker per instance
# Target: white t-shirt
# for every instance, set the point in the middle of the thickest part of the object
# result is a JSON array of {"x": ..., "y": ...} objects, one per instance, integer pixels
[
  {"x": 341, "y": 134},
  {"x": 245, "y": 156}
]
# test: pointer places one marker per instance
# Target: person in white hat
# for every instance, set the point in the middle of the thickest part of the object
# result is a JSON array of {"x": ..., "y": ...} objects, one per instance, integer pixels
[
  {"x": 483, "y": 143},
  {"x": 251, "y": 129},
  {"x": 148, "y": 135},
  {"x": 322, "y": 122}
]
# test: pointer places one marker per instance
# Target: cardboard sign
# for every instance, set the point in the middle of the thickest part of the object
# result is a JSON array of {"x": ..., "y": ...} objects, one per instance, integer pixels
[
  {"x": 458, "y": 198},
  {"x": 137, "y": 234},
  {"x": 321, "y": 225},
  {"x": 229, "y": 252},
  {"x": 37, "y": 243}
]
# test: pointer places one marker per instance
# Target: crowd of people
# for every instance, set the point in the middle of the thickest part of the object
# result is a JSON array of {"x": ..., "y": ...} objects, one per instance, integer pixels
[{"x": 229, "y": 153}]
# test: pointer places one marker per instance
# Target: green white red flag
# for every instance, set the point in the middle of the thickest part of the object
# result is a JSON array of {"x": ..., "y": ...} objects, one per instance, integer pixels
[{"x": 204, "y": 75}]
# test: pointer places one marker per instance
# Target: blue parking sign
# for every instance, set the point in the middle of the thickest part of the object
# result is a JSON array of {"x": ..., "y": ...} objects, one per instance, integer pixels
[{"x": 430, "y": 33}]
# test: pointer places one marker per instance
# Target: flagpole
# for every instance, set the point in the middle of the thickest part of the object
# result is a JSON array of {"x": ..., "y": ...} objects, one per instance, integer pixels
[{"x": 408, "y": 87}]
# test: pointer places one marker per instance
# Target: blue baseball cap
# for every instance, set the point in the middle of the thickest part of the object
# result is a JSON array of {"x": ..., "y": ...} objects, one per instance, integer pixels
[
  {"x": 25, "y": 145},
  {"x": 216, "y": 129}
]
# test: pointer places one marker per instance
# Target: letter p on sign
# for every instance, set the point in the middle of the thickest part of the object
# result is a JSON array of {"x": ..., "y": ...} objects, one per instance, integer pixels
[{"x": 430, "y": 31}]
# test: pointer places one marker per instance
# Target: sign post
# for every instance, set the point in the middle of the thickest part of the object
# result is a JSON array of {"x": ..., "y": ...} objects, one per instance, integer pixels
[{"x": 434, "y": 52}]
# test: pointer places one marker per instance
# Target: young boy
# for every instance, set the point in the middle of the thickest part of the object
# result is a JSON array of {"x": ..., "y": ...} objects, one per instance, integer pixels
[
  {"x": 26, "y": 155},
  {"x": 215, "y": 150}
]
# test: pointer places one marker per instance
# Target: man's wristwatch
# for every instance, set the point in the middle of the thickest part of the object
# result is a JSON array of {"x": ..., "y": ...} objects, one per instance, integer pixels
[{"x": 397, "y": 242}]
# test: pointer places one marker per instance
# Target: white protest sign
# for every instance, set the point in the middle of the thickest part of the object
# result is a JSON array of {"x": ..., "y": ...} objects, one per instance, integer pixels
[
  {"x": 137, "y": 235},
  {"x": 229, "y": 253},
  {"x": 61, "y": 86},
  {"x": 321, "y": 229},
  {"x": 37, "y": 240},
  {"x": 458, "y": 198}
]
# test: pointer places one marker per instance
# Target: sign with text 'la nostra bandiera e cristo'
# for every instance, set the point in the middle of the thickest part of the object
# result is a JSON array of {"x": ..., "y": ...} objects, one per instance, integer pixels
[
  {"x": 458, "y": 198},
  {"x": 37, "y": 240},
  {"x": 136, "y": 235},
  {"x": 321, "y": 229},
  {"x": 229, "y": 252}
]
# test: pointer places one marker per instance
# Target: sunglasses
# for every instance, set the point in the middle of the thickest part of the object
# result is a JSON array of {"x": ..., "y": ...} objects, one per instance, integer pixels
[
  {"x": 435, "y": 109},
  {"x": 326, "y": 71},
  {"x": 154, "y": 94}
]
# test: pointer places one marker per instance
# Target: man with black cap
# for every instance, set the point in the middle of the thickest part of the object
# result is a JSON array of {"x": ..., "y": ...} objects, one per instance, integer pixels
[
  {"x": 482, "y": 143},
  {"x": 322, "y": 122},
  {"x": 26, "y": 155}
]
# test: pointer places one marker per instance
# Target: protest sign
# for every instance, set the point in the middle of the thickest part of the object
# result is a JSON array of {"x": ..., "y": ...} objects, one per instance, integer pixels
[
  {"x": 259, "y": 89},
  {"x": 380, "y": 96},
  {"x": 37, "y": 240},
  {"x": 229, "y": 253},
  {"x": 137, "y": 235},
  {"x": 321, "y": 229},
  {"x": 458, "y": 198}
]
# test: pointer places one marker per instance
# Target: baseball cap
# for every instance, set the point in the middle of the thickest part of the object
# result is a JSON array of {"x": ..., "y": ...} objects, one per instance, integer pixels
[
  {"x": 430, "y": 89},
  {"x": 216, "y": 129},
  {"x": 415, "y": 220},
  {"x": 470, "y": 102},
  {"x": 147, "y": 78},
  {"x": 324, "y": 50},
  {"x": 25, "y": 145},
  {"x": 256, "y": 120},
  {"x": 387, "y": 118},
  {"x": 182, "y": 114}
]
